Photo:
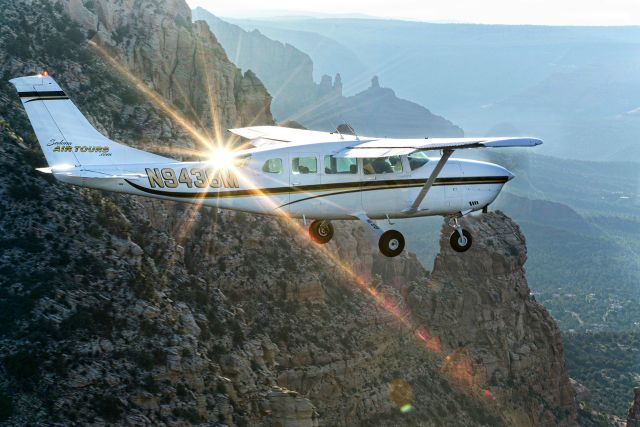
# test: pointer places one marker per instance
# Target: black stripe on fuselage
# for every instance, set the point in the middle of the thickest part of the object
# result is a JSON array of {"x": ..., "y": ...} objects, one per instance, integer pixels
[{"x": 345, "y": 187}]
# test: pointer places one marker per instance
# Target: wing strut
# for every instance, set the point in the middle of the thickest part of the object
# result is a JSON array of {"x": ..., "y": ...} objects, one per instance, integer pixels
[{"x": 427, "y": 185}]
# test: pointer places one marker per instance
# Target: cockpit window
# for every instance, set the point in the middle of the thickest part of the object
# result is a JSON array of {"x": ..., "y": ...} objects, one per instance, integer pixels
[
  {"x": 272, "y": 166},
  {"x": 243, "y": 161},
  {"x": 340, "y": 165},
  {"x": 417, "y": 160},
  {"x": 382, "y": 165},
  {"x": 304, "y": 165}
]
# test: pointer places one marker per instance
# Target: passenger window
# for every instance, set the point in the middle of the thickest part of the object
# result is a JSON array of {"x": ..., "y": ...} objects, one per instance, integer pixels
[
  {"x": 272, "y": 166},
  {"x": 304, "y": 165},
  {"x": 382, "y": 165},
  {"x": 337, "y": 165}
]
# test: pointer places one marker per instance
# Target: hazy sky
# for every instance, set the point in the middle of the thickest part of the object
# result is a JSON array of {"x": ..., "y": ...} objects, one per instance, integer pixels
[{"x": 550, "y": 12}]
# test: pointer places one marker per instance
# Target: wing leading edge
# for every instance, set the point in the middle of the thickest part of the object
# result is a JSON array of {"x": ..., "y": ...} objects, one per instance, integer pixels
[
  {"x": 397, "y": 147},
  {"x": 283, "y": 134},
  {"x": 373, "y": 147}
]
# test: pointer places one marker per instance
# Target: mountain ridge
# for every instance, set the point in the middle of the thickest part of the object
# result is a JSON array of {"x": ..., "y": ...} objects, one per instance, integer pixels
[
  {"x": 288, "y": 74},
  {"x": 130, "y": 311}
]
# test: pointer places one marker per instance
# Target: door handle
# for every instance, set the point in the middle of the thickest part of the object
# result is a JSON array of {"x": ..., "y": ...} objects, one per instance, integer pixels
[{"x": 296, "y": 183}]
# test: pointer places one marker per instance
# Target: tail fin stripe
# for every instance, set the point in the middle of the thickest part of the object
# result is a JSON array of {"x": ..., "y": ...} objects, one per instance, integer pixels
[
  {"x": 47, "y": 98},
  {"x": 49, "y": 93}
]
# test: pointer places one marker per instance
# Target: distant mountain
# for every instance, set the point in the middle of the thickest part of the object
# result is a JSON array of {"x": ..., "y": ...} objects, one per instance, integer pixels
[
  {"x": 285, "y": 71},
  {"x": 124, "y": 311},
  {"x": 572, "y": 86},
  {"x": 376, "y": 111},
  {"x": 288, "y": 75},
  {"x": 546, "y": 212},
  {"x": 329, "y": 55}
]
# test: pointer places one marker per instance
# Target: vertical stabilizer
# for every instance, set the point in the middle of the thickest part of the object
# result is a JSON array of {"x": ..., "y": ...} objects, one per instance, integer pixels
[{"x": 65, "y": 135}]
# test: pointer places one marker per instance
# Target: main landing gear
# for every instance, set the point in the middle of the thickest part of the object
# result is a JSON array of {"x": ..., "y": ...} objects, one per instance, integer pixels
[
  {"x": 321, "y": 231},
  {"x": 460, "y": 239},
  {"x": 390, "y": 242}
]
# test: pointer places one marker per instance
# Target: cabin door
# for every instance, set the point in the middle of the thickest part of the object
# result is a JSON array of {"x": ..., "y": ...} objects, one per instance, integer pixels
[
  {"x": 383, "y": 186},
  {"x": 340, "y": 191}
]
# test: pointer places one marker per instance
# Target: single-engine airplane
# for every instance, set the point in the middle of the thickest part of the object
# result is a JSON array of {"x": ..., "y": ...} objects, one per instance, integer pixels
[{"x": 318, "y": 176}]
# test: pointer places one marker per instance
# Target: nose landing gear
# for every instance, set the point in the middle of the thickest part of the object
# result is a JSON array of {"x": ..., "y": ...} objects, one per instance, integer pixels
[
  {"x": 460, "y": 239},
  {"x": 391, "y": 243},
  {"x": 321, "y": 231}
]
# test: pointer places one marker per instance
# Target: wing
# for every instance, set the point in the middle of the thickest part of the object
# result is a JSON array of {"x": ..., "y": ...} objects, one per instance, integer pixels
[
  {"x": 397, "y": 147},
  {"x": 266, "y": 135}
]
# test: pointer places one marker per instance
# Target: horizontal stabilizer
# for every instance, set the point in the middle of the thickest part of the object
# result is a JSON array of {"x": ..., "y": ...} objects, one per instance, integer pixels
[{"x": 80, "y": 172}]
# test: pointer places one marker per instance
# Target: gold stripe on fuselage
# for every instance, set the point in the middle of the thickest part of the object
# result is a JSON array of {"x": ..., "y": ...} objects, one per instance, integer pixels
[{"x": 338, "y": 188}]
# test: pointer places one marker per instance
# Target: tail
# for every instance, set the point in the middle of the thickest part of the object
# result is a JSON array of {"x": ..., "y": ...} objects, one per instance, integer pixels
[{"x": 65, "y": 135}]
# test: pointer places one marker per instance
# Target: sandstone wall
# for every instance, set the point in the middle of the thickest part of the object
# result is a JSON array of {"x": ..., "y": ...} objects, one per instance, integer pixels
[{"x": 129, "y": 311}]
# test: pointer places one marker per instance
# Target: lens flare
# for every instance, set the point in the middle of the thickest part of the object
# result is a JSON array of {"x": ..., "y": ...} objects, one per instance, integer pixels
[
  {"x": 406, "y": 408},
  {"x": 150, "y": 94},
  {"x": 220, "y": 158},
  {"x": 221, "y": 155},
  {"x": 401, "y": 394}
]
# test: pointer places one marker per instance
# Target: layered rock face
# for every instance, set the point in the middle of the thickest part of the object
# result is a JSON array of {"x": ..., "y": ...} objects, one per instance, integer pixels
[
  {"x": 633, "y": 416},
  {"x": 124, "y": 311},
  {"x": 478, "y": 305},
  {"x": 183, "y": 62}
]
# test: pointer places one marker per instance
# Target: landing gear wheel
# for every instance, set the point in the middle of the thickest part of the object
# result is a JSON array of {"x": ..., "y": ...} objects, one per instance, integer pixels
[
  {"x": 391, "y": 243},
  {"x": 458, "y": 243},
  {"x": 321, "y": 231}
]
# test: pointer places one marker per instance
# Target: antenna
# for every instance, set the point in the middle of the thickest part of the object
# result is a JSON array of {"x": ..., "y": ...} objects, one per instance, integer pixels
[
  {"x": 337, "y": 130},
  {"x": 347, "y": 129}
]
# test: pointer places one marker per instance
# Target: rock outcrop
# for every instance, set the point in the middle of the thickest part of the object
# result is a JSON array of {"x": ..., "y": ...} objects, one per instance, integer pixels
[
  {"x": 633, "y": 416},
  {"x": 180, "y": 60},
  {"x": 124, "y": 311},
  {"x": 479, "y": 306}
]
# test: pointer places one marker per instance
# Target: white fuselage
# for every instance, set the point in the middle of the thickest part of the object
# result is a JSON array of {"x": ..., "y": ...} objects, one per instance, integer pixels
[{"x": 273, "y": 182}]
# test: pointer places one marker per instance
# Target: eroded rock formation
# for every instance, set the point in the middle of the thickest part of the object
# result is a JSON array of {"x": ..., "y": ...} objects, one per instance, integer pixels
[
  {"x": 478, "y": 304},
  {"x": 182, "y": 61},
  {"x": 288, "y": 74},
  {"x": 126, "y": 311},
  {"x": 633, "y": 416}
]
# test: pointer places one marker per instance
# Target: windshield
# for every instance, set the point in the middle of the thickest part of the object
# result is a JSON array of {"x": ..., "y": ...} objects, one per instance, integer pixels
[{"x": 417, "y": 159}]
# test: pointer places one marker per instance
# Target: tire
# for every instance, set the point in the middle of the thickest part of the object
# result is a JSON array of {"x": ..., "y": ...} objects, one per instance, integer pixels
[
  {"x": 391, "y": 243},
  {"x": 457, "y": 244},
  {"x": 321, "y": 232}
]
